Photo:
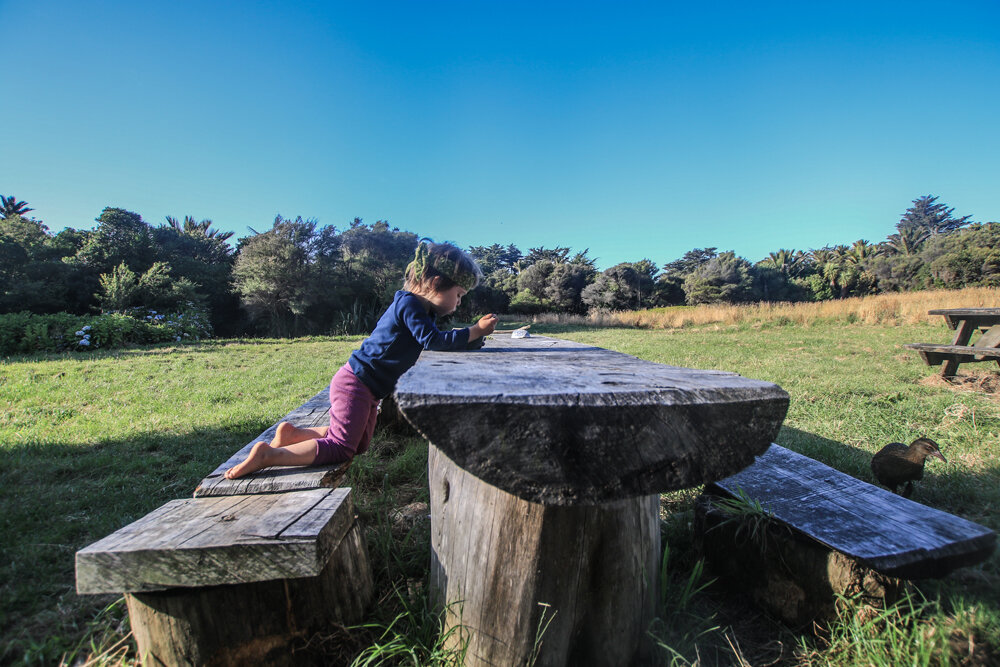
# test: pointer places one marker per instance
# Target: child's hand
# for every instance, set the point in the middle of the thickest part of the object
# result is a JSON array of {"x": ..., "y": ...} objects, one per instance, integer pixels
[{"x": 484, "y": 327}]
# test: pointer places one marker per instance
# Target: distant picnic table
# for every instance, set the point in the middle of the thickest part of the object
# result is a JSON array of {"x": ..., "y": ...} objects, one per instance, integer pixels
[{"x": 965, "y": 322}]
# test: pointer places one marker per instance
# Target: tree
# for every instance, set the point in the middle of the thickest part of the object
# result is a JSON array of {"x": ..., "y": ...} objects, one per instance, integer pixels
[
  {"x": 927, "y": 215},
  {"x": 564, "y": 288},
  {"x": 272, "y": 273},
  {"x": 624, "y": 286},
  {"x": 534, "y": 279},
  {"x": 554, "y": 255},
  {"x": 33, "y": 275},
  {"x": 907, "y": 240},
  {"x": 9, "y": 206},
  {"x": 780, "y": 275},
  {"x": 692, "y": 259},
  {"x": 120, "y": 237},
  {"x": 860, "y": 252},
  {"x": 724, "y": 278},
  {"x": 497, "y": 258},
  {"x": 200, "y": 228},
  {"x": 789, "y": 263}
]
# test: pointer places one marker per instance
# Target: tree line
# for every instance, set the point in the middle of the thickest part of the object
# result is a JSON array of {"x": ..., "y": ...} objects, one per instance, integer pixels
[{"x": 300, "y": 278}]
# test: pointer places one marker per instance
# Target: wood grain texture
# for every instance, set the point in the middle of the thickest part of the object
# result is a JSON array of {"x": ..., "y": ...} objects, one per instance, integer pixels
[
  {"x": 222, "y": 540},
  {"x": 314, "y": 412},
  {"x": 885, "y": 532},
  {"x": 260, "y": 623},
  {"x": 500, "y": 563},
  {"x": 562, "y": 423}
]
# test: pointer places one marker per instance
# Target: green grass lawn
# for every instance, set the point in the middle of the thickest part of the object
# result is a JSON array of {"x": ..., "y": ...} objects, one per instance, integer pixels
[{"x": 89, "y": 443}]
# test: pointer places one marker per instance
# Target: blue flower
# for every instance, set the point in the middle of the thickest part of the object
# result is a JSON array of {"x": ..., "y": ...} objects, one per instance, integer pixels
[
  {"x": 86, "y": 328},
  {"x": 84, "y": 342},
  {"x": 79, "y": 333}
]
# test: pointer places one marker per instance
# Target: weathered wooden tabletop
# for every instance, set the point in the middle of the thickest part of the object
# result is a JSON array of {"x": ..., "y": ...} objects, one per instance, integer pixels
[
  {"x": 562, "y": 423},
  {"x": 971, "y": 318}
]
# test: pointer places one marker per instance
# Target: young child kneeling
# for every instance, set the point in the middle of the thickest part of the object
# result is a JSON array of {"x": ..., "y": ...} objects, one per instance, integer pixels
[{"x": 436, "y": 280}]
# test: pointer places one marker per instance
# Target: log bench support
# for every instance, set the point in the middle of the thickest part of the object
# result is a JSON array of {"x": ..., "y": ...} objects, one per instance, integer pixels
[
  {"x": 521, "y": 579},
  {"x": 826, "y": 535},
  {"x": 235, "y": 580}
]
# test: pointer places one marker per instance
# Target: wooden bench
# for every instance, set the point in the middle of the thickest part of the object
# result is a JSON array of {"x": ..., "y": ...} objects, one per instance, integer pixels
[
  {"x": 243, "y": 572},
  {"x": 546, "y": 462},
  {"x": 828, "y": 534},
  {"x": 965, "y": 322}
]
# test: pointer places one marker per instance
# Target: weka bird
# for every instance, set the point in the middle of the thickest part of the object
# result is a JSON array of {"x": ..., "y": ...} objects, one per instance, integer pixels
[{"x": 896, "y": 463}]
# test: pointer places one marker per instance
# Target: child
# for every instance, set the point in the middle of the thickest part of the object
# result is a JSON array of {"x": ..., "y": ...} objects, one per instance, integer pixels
[{"x": 436, "y": 280}]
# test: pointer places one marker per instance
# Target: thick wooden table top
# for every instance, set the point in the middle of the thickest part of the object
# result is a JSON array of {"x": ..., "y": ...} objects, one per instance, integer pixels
[
  {"x": 562, "y": 423},
  {"x": 974, "y": 317},
  {"x": 220, "y": 540},
  {"x": 958, "y": 312}
]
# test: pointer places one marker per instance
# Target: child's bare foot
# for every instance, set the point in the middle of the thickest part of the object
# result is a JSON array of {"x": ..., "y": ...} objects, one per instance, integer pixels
[
  {"x": 289, "y": 434},
  {"x": 258, "y": 459},
  {"x": 283, "y": 434}
]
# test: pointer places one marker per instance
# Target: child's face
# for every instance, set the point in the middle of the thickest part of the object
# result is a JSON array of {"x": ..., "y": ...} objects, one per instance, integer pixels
[{"x": 445, "y": 303}]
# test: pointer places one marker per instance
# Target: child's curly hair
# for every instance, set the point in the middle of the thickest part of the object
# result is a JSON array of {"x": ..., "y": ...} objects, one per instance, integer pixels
[{"x": 439, "y": 267}]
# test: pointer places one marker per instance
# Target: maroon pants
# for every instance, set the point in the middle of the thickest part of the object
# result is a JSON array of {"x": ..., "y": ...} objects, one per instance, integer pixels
[{"x": 353, "y": 410}]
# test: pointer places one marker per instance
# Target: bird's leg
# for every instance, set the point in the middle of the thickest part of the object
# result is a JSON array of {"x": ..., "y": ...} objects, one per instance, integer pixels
[{"x": 908, "y": 490}]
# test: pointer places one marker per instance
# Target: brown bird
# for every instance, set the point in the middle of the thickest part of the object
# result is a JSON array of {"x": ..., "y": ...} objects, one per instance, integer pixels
[{"x": 896, "y": 463}]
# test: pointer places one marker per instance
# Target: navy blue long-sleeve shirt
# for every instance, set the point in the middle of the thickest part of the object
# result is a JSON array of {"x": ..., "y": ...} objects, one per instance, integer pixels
[{"x": 402, "y": 333}]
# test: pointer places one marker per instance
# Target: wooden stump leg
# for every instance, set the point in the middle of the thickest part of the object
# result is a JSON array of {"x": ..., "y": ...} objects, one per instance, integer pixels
[
  {"x": 792, "y": 576},
  {"x": 949, "y": 368},
  {"x": 508, "y": 569},
  {"x": 253, "y": 623}
]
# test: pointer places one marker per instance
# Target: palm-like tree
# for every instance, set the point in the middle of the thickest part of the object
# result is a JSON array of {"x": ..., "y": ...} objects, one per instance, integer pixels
[
  {"x": 860, "y": 251},
  {"x": 9, "y": 206},
  {"x": 202, "y": 228},
  {"x": 788, "y": 262},
  {"x": 907, "y": 240}
]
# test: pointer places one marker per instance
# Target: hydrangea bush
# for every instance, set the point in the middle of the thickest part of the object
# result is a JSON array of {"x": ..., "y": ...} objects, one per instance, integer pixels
[{"x": 25, "y": 333}]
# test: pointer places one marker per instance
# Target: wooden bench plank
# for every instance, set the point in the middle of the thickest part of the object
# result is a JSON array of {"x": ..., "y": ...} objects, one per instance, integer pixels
[
  {"x": 886, "y": 532},
  {"x": 314, "y": 412},
  {"x": 965, "y": 353},
  {"x": 221, "y": 540}
]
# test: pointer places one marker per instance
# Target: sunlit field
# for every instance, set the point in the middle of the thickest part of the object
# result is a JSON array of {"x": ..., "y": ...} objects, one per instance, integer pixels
[
  {"x": 891, "y": 309},
  {"x": 91, "y": 442}
]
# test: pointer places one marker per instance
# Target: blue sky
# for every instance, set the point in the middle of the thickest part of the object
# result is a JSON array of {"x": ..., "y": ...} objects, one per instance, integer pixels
[{"x": 635, "y": 129}]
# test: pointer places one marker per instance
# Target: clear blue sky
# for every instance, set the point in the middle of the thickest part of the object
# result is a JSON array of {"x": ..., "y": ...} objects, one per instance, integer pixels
[{"x": 635, "y": 129}]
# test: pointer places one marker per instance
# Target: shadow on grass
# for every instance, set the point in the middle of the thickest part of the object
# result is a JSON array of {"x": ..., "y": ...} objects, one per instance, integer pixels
[{"x": 56, "y": 498}]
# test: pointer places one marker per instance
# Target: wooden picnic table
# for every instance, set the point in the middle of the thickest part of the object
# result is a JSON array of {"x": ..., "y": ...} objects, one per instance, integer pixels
[
  {"x": 546, "y": 461},
  {"x": 965, "y": 322}
]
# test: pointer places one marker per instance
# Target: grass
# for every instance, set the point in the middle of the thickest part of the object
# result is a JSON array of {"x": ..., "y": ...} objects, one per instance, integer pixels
[
  {"x": 892, "y": 309},
  {"x": 91, "y": 443}
]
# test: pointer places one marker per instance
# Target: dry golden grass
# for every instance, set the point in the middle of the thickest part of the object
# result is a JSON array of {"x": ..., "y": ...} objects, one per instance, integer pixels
[{"x": 887, "y": 309}]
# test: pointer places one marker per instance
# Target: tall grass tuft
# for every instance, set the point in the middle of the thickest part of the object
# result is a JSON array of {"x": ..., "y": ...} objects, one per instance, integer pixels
[
  {"x": 915, "y": 631},
  {"x": 887, "y": 309}
]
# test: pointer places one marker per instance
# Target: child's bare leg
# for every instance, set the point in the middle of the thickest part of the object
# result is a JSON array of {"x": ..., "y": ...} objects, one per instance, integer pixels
[
  {"x": 287, "y": 434},
  {"x": 263, "y": 455}
]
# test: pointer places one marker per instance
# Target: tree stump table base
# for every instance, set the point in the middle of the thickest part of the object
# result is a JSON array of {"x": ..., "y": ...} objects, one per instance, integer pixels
[{"x": 525, "y": 583}]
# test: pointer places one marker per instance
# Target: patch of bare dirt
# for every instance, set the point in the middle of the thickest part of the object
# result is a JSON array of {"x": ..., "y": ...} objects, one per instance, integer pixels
[{"x": 980, "y": 383}]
